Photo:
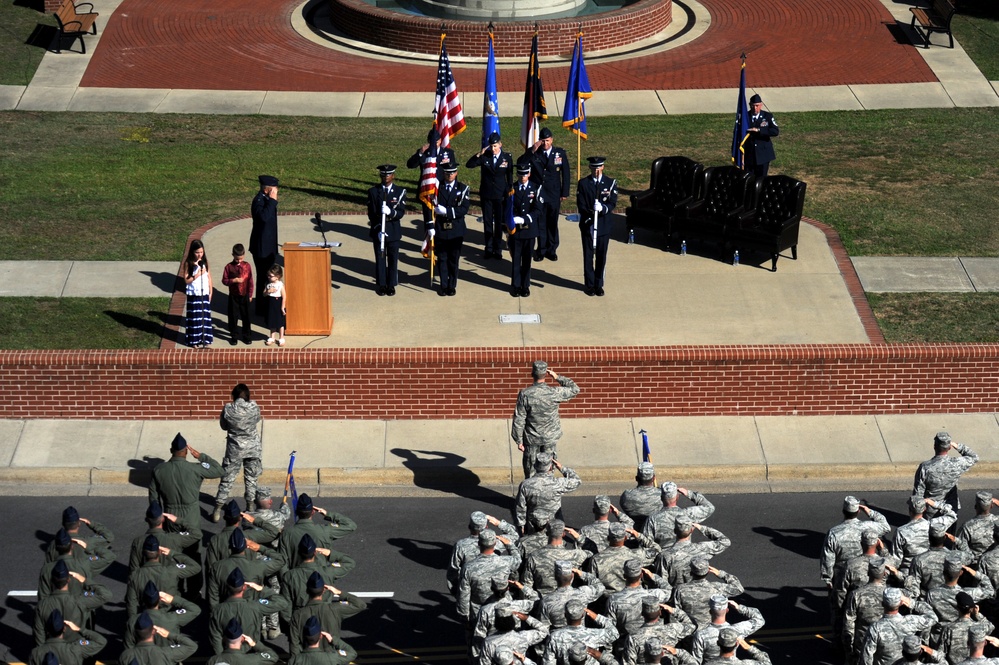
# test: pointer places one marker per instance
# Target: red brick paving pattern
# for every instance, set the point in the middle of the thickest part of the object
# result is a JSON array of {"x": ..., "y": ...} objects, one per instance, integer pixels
[{"x": 250, "y": 45}]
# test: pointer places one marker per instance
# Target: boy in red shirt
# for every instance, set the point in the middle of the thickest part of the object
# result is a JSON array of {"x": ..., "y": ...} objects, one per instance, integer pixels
[{"x": 239, "y": 278}]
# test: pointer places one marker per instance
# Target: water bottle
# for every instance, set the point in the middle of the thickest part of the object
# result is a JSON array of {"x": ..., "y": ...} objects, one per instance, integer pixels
[
  {"x": 735, "y": 258},
  {"x": 683, "y": 248},
  {"x": 631, "y": 236}
]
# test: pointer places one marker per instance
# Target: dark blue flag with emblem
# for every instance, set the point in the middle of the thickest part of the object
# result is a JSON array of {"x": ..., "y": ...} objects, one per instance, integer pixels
[
  {"x": 741, "y": 129},
  {"x": 490, "y": 99},
  {"x": 577, "y": 92},
  {"x": 646, "y": 451},
  {"x": 289, "y": 484}
]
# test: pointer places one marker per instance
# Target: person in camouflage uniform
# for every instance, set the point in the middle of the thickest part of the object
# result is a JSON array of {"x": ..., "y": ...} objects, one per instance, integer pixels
[
  {"x": 485, "y": 623},
  {"x": 704, "y": 645},
  {"x": 624, "y": 607},
  {"x": 660, "y": 525},
  {"x": 166, "y": 610},
  {"x": 99, "y": 545},
  {"x": 536, "y": 424},
  {"x": 855, "y": 572},
  {"x": 593, "y": 536},
  {"x": 883, "y": 644},
  {"x": 475, "y": 584},
  {"x": 673, "y": 562},
  {"x": 694, "y": 597},
  {"x": 645, "y": 498},
  {"x": 977, "y": 534},
  {"x": 937, "y": 477},
  {"x": 609, "y": 564},
  {"x": 914, "y": 651},
  {"x": 655, "y": 652},
  {"x": 927, "y": 568},
  {"x": 274, "y": 520},
  {"x": 468, "y": 547},
  {"x": 977, "y": 639},
  {"x": 864, "y": 606},
  {"x": 559, "y": 642},
  {"x": 553, "y": 603},
  {"x": 508, "y": 636},
  {"x": 953, "y": 639},
  {"x": 240, "y": 419},
  {"x": 728, "y": 640},
  {"x": 678, "y": 627},
  {"x": 539, "y": 498},
  {"x": 539, "y": 568},
  {"x": 943, "y": 599},
  {"x": 913, "y": 537}
]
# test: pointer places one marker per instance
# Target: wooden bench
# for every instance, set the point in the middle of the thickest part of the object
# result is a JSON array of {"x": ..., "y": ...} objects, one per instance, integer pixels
[
  {"x": 73, "y": 24},
  {"x": 935, "y": 18}
]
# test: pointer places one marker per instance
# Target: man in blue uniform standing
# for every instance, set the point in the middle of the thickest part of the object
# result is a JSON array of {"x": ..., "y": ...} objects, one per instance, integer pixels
[
  {"x": 550, "y": 170},
  {"x": 448, "y": 227},
  {"x": 596, "y": 197},
  {"x": 759, "y": 148},
  {"x": 497, "y": 178},
  {"x": 264, "y": 235},
  {"x": 527, "y": 213},
  {"x": 386, "y": 206}
]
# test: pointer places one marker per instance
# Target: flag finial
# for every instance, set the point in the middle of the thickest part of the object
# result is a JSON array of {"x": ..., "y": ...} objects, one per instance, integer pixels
[
  {"x": 490, "y": 26},
  {"x": 535, "y": 28},
  {"x": 743, "y": 57}
]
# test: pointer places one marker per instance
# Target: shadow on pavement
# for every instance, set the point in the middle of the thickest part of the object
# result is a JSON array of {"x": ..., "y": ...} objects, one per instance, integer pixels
[{"x": 442, "y": 471}]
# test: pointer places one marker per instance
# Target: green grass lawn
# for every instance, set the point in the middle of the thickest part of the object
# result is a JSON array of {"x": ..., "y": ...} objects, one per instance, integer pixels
[
  {"x": 82, "y": 323},
  {"x": 976, "y": 28},
  {"x": 131, "y": 186},
  {"x": 18, "y": 60},
  {"x": 937, "y": 317}
]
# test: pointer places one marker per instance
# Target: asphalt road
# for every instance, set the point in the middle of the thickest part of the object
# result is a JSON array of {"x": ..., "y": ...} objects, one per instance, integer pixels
[{"x": 403, "y": 545}]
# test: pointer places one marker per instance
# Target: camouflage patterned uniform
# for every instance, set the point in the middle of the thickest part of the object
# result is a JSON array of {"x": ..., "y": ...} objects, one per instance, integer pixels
[
  {"x": 694, "y": 597},
  {"x": 275, "y": 520},
  {"x": 674, "y": 562},
  {"x": 660, "y": 525},
  {"x": 539, "y": 499},
  {"x": 913, "y": 537},
  {"x": 562, "y": 639},
  {"x": 553, "y": 603},
  {"x": 475, "y": 585},
  {"x": 539, "y": 569},
  {"x": 516, "y": 640},
  {"x": 679, "y": 627},
  {"x": 926, "y": 571},
  {"x": 609, "y": 565},
  {"x": 943, "y": 599},
  {"x": 705, "y": 643},
  {"x": 485, "y": 624},
  {"x": 642, "y": 500},
  {"x": 843, "y": 543},
  {"x": 883, "y": 644},
  {"x": 953, "y": 639},
  {"x": 536, "y": 424},
  {"x": 978, "y": 534},
  {"x": 240, "y": 419},
  {"x": 593, "y": 536},
  {"x": 862, "y": 609},
  {"x": 625, "y": 607},
  {"x": 468, "y": 548},
  {"x": 936, "y": 478}
]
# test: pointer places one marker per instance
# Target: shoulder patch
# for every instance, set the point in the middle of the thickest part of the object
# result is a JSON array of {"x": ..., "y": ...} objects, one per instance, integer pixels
[
  {"x": 265, "y": 656},
  {"x": 264, "y": 601},
  {"x": 84, "y": 643},
  {"x": 181, "y": 566},
  {"x": 206, "y": 465},
  {"x": 180, "y": 611}
]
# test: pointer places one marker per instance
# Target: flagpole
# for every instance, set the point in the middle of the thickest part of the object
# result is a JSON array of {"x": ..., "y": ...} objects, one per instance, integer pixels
[{"x": 579, "y": 105}]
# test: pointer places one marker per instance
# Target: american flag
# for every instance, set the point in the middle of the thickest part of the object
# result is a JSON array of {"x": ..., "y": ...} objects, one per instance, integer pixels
[
  {"x": 448, "y": 119},
  {"x": 428, "y": 176}
]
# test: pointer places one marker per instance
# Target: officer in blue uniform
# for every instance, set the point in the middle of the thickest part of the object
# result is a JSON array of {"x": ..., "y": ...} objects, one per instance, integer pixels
[
  {"x": 445, "y": 157},
  {"x": 264, "y": 235},
  {"x": 550, "y": 170},
  {"x": 497, "y": 179},
  {"x": 386, "y": 202},
  {"x": 448, "y": 227},
  {"x": 527, "y": 212},
  {"x": 759, "y": 148},
  {"x": 596, "y": 197}
]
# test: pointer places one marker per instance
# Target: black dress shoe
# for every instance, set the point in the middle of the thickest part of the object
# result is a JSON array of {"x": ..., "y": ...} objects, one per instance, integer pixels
[
  {"x": 515, "y": 293},
  {"x": 232, "y": 342},
  {"x": 525, "y": 292},
  {"x": 247, "y": 341},
  {"x": 599, "y": 291},
  {"x": 588, "y": 291},
  {"x": 390, "y": 291},
  {"x": 442, "y": 292},
  {"x": 539, "y": 257},
  {"x": 552, "y": 257},
  {"x": 382, "y": 290},
  {"x": 451, "y": 292}
]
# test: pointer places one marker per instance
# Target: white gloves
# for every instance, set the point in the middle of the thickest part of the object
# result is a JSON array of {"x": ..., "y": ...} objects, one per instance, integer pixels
[
  {"x": 431, "y": 232},
  {"x": 386, "y": 210},
  {"x": 518, "y": 220},
  {"x": 441, "y": 210},
  {"x": 597, "y": 207}
]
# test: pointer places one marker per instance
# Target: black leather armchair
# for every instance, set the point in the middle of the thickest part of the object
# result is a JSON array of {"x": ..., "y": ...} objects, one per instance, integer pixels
[
  {"x": 672, "y": 186},
  {"x": 772, "y": 226},
  {"x": 728, "y": 193}
]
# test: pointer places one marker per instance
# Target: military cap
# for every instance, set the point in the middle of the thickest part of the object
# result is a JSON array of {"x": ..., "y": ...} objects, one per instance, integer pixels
[
  {"x": 545, "y": 133},
  {"x": 937, "y": 530},
  {"x": 718, "y": 602},
  {"x": 632, "y": 568},
  {"x": 433, "y": 136},
  {"x": 233, "y": 630},
  {"x": 876, "y": 566},
  {"x": 306, "y": 546},
  {"x": 727, "y": 638},
  {"x": 578, "y": 653},
  {"x": 617, "y": 531},
  {"x": 487, "y": 538},
  {"x": 646, "y": 471},
  {"x": 700, "y": 566},
  {"x": 263, "y": 493},
  {"x": 237, "y": 541},
  {"x": 494, "y": 138},
  {"x": 451, "y": 167},
  {"x": 574, "y": 610},
  {"x": 231, "y": 511},
  {"x": 555, "y": 529},
  {"x": 983, "y": 498},
  {"x": 539, "y": 368},
  {"x": 143, "y": 622},
  {"x": 851, "y": 504},
  {"x": 911, "y": 645},
  {"x": 315, "y": 583},
  {"x": 755, "y": 99},
  {"x": 70, "y": 515},
  {"x": 55, "y": 624},
  {"x": 596, "y": 162},
  {"x": 178, "y": 443},
  {"x": 235, "y": 581},
  {"x": 683, "y": 526},
  {"x": 892, "y": 598},
  {"x": 62, "y": 538},
  {"x": 941, "y": 441},
  {"x": 869, "y": 537},
  {"x": 601, "y": 504},
  {"x": 150, "y": 595},
  {"x": 649, "y": 603},
  {"x": 50, "y": 659},
  {"x": 543, "y": 461},
  {"x": 478, "y": 521},
  {"x": 502, "y": 656},
  {"x": 653, "y": 647},
  {"x": 151, "y": 544},
  {"x": 669, "y": 489},
  {"x": 267, "y": 181},
  {"x": 503, "y": 612},
  {"x": 499, "y": 583},
  {"x": 311, "y": 628},
  {"x": 953, "y": 564},
  {"x": 563, "y": 568},
  {"x": 386, "y": 169},
  {"x": 523, "y": 167},
  {"x": 964, "y": 601},
  {"x": 918, "y": 504},
  {"x": 154, "y": 511},
  {"x": 977, "y": 633},
  {"x": 60, "y": 572},
  {"x": 304, "y": 504}
]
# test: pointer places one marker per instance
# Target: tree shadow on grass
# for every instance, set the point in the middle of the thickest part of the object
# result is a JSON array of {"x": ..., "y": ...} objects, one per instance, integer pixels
[{"x": 137, "y": 323}]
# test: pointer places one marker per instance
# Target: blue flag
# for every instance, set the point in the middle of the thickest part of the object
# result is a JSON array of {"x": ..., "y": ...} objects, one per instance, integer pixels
[
  {"x": 511, "y": 226},
  {"x": 741, "y": 130},
  {"x": 578, "y": 90},
  {"x": 490, "y": 102},
  {"x": 646, "y": 451},
  {"x": 289, "y": 485}
]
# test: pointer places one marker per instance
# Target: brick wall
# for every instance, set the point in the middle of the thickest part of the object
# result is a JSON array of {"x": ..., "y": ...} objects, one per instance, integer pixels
[
  {"x": 406, "y": 383},
  {"x": 381, "y": 27},
  {"x": 52, "y": 5}
]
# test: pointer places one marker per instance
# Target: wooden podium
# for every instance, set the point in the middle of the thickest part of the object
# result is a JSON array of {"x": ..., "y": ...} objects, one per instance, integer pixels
[{"x": 310, "y": 293}]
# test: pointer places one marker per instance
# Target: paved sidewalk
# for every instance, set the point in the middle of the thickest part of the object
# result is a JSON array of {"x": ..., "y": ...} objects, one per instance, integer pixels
[{"x": 715, "y": 454}]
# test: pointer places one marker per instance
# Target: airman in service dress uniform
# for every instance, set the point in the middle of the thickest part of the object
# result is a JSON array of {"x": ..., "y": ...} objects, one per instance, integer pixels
[
  {"x": 550, "y": 171},
  {"x": 447, "y": 227},
  {"x": 596, "y": 197},
  {"x": 758, "y": 146},
  {"x": 496, "y": 180},
  {"x": 386, "y": 202},
  {"x": 527, "y": 216},
  {"x": 536, "y": 425},
  {"x": 445, "y": 158},
  {"x": 264, "y": 235}
]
